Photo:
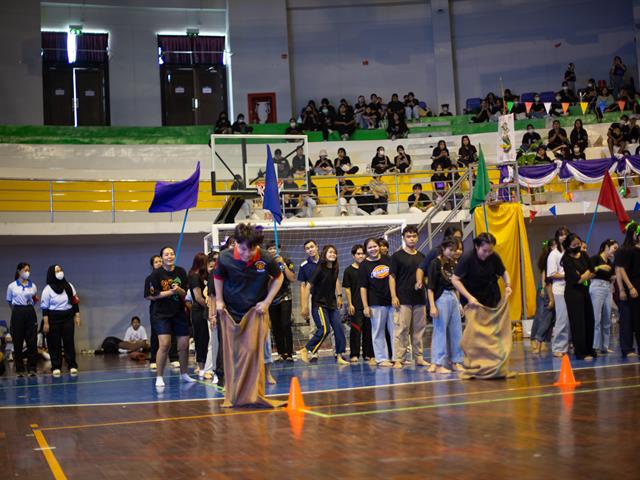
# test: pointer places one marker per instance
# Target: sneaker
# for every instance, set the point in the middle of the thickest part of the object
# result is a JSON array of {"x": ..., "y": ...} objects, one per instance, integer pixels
[
  {"x": 353, "y": 359},
  {"x": 397, "y": 364},
  {"x": 458, "y": 367},
  {"x": 421, "y": 362},
  {"x": 632, "y": 354},
  {"x": 443, "y": 370},
  {"x": 159, "y": 382},
  {"x": 73, "y": 371},
  {"x": 558, "y": 354},
  {"x": 44, "y": 354},
  {"x": 303, "y": 355},
  {"x": 314, "y": 359},
  {"x": 372, "y": 362},
  {"x": 432, "y": 368},
  {"x": 153, "y": 367},
  {"x": 175, "y": 364},
  {"x": 56, "y": 372},
  {"x": 289, "y": 358},
  {"x": 385, "y": 364},
  {"x": 184, "y": 377},
  {"x": 341, "y": 361},
  {"x": 214, "y": 380}
]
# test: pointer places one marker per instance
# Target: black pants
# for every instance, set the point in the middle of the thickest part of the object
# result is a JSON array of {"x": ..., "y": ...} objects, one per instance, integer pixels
[
  {"x": 581, "y": 320},
  {"x": 629, "y": 324},
  {"x": 220, "y": 357},
  {"x": 199, "y": 322},
  {"x": 280, "y": 315},
  {"x": 61, "y": 333},
  {"x": 360, "y": 335},
  {"x": 153, "y": 351},
  {"x": 24, "y": 328}
]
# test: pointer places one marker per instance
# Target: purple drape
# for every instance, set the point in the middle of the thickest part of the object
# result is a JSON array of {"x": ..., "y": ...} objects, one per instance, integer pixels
[
  {"x": 183, "y": 50},
  {"x": 92, "y": 47},
  {"x": 54, "y": 46}
]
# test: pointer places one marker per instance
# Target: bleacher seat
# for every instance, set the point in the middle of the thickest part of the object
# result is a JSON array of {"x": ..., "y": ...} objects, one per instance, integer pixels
[
  {"x": 547, "y": 97},
  {"x": 473, "y": 104},
  {"x": 527, "y": 97}
]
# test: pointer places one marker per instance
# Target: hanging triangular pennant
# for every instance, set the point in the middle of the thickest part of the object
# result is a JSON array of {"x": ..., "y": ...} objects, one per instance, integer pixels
[
  {"x": 532, "y": 215},
  {"x": 565, "y": 107},
  {"x": 622, "y": 191},
  {"x": 637, "y": 207},
  {"x": 585, "y": 207},
  {"x": 553, "y": 211},
  {"x": 528, "y": 105},
  {"x": 547, "y": 107},
  {"x": 568, "y": 196},
  {"x": 602, "y": 106},
  {"x": 621, "y": 104},
  {"x": 583, "y": 106},
  {"x": 509, "y": 106}
]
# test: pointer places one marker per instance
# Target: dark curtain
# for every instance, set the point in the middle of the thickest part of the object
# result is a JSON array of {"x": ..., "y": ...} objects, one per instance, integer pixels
[
  {"x": 92, "y": 47},
  {"x": 176, "y": 49},
  {"x": 208, "y": 50},
  {"x": 54, "y": 46},
  {"x": 183, "y": 50}
]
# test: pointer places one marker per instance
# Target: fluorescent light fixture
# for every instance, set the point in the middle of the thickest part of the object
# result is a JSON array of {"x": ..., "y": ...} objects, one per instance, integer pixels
[
  {"x": 160, "y": 59},
  {"x": 72, "y": 47}
]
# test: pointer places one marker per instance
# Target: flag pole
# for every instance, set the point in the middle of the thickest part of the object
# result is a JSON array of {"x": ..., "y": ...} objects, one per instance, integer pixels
[
  {"x": 184, "y": 222},
  {"x": 275, "y": 236},
  {"x": 593, "y": 220}
]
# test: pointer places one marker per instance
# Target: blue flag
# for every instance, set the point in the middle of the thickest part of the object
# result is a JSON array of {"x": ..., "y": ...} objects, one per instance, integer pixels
[
  {"x": 271, "y": 200},
  {"x": 637, "y": 207},
  {"x": 174, "y": 196},
  {"x": 553, "y": 211}
]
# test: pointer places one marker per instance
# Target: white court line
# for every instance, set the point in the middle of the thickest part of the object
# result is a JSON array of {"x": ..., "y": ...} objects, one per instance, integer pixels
[{"x": 387, "y": 385}]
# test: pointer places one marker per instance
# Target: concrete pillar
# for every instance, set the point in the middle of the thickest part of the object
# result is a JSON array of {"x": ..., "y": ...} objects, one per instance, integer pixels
[{"x": 443, "y": 56}]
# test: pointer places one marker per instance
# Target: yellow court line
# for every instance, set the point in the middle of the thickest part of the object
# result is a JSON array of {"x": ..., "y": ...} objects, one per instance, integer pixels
[{"x": 51, "y": 459}]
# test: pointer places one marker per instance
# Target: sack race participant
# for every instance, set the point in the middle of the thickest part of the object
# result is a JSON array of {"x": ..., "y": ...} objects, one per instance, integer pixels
[{"x": 246, "y": 282}]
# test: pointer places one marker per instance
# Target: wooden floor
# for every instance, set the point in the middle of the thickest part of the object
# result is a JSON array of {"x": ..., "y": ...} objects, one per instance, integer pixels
[{"x": 371, "y": 424}]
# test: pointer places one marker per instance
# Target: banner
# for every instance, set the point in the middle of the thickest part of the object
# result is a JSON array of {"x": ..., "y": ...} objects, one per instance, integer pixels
[{"x": 506, "y": 150}]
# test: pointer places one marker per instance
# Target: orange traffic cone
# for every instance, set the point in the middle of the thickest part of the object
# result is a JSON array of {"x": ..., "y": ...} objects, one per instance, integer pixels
[
  {"x": 566, "y": 378},
  {"x": 295, "y": 403}
]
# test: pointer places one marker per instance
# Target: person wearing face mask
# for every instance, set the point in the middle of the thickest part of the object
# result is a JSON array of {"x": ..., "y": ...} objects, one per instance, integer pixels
[
  {"x": 60, "y": 315},
  {"x": 556, "y": 107},
  {"x": 327, "y": 118},
  {"x": 240, "y": 126},
  {"x": 627, "y": 272},
  {"x": 530, "y": 138},
  {"x": 440, "y": 156},
  {"x": 293, "y": 129},
  {"x": 579, "y": 137},
  {"x": 21, "y": 297},
  {"x": 310, "y": 119},
  {"x": 537, "y": 109},
  {"x": 577, "y": 153},
  {"x": 444, "y": 110},
  {"x": 566, "y": 93},
  {"x": 380, "y": 163},
  {"x": 358, "y": 111},
  {"x": 570, "y": 77},
  {"x": 223, "y": 126},
  {"x": 578, "y": 273}
]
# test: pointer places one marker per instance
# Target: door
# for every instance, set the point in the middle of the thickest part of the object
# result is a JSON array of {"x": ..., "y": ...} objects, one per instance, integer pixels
[
  {"x": 90, "y": 96},
  {"x": 211, "y": 93},
  {"x": 58, "y": 95},
  {"x": 178, "y": 96}
]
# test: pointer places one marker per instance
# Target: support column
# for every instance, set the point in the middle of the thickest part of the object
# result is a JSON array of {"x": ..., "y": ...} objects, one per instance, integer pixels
[
  {"x": 636, "y": 32},
  {"x": 443, "y": 56}
]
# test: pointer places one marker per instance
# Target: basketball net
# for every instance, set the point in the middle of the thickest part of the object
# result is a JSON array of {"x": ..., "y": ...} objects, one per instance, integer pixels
[{"x": 260, "y": 185}]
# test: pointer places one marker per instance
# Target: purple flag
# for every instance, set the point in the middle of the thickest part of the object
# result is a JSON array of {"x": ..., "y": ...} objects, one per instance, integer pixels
[
  {"x": 271, "y": 199},
  {"x": 174, "y": 196}
]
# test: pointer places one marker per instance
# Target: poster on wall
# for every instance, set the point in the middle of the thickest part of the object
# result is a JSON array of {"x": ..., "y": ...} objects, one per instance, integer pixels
[
  {"x": 262, "y": 107},
  {"x": 506, "y": 143}
]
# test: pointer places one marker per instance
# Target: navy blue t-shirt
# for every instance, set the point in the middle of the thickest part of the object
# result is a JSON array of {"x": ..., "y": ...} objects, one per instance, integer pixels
[
  {"x": 245, "y": 283},
  {"x": 307, "y": 269}
]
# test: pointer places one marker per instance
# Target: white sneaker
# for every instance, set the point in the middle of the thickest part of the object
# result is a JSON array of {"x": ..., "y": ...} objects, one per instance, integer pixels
[
  {"x": 187, "y": 379},
  {"x": 56, "y": 372},
  {"x": 153, "y": 367},
  {"x": 175, "y": 364},
  {"x": 214, "y": 380},
  {"x": 159, "y": 382},
  {"x": 73, "y": 371},
  {"x": 45, "y": 355}
]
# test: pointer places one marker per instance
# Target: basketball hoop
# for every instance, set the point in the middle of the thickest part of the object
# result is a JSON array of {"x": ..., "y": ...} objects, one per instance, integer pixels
[{"x": 260, "y": 185}]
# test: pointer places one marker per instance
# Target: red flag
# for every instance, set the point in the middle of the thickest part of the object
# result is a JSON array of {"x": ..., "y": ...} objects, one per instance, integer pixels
[
  {"x": 528, "y": 105},
  {"x": 565, "y": 107},
  {"x": 610, "y": 199}
]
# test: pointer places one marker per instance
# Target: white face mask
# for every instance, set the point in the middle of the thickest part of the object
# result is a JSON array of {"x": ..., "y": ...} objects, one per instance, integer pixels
[
  {"x": 25, "y": 275},
  {"x": 60, "y": 275},
  {"x": 381, "y": 153},
  {"x": 565, "y": 88},
  {"x": 530, "y": 130},
  {"x": 537, "y": 99},
  {"x": 292, "y": 124}
]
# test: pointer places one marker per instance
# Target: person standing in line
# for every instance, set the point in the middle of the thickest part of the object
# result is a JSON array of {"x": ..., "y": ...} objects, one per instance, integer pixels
[
  {"x": 281, "y": 307},
  {"x": 170, "y": 284},
  {"x": 215, "y": 358},
  {"x": 627, "y": 262},
  {"x": 199, "y": 314},
  {"x": 543, "y": 321},
  {"x": 21, "y": 297},
  {"x": 155, "y": 262},
  {"x": 408, "y": 300},
  {"x": 601, "y": 293},
  {"x": 555, "y": 272},
  {"x": 578, "y": 273},
  {"x": 376, "y": 298},
  {"x": 446, "y": 310},
  {"x": 60, "y": 315},
  {"x": 360, "y": 334},
  {"x": 305, "y": 272}
]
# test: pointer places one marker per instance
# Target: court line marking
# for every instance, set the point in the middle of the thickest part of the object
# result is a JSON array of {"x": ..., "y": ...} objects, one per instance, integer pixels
[
  {"x": 310, "y": 392},
  {"x": 480, "y": 402},
  {"x": 52, "y": 461}
]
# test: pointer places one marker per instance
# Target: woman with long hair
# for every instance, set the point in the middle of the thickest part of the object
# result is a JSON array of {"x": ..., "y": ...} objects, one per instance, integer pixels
[
  {"x": 627, "y": 262},
  {"x": 543, "y": 321},
  {"x": 602, "y": 294},
  {"x": 555, "y": 273},
  {"x": 578, "y": 273},
  {"x": 60, "y": 315},
  {"x": 199, "y": 315},
  {"x": 21, "y": 296},
  {"x": 326, "y": 302}
]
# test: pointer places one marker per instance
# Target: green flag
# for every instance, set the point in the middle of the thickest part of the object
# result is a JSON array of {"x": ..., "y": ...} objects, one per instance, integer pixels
[{"x": 482, "y": 186}]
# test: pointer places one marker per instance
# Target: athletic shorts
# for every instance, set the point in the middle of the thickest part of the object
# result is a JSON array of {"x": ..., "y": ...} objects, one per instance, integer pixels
[{"x": 176, "y": 325}]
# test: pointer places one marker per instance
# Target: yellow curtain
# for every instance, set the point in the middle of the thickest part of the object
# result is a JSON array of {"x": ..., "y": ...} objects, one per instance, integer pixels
[{"x": 506, "y": 223}]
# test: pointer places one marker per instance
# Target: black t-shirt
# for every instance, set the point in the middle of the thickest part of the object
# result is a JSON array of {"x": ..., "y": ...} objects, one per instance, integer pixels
[
  {"x": 350, "y": 280},
  {"x": 374, "y": 277},
  {"x": 285, "y": 291},
  {"x": 323, "y": 287},
  {"x": 480, "y": 278},
  {"x": 245, "y": 283},
  {"x": 529, "y": 139},
  {"x": 573, "y": 270},
  {"x": 596, "y": 261},
  {"x": 440, "y": 276},
  {"x": 629, "y": 259},
  {"x": 149, "y": 293},
  {"x": 403, "y": 268},
  {"x": 162, "y": 280},
  {"x": 194, "y": 282},
  {"x": 423, "y": 200}
]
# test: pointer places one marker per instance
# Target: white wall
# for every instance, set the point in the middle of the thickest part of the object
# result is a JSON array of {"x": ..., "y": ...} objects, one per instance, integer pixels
[
  {"x": 134, "y": 76},
  {"x": 330, "y": 42},
  {"x": 20, "y": 63}
]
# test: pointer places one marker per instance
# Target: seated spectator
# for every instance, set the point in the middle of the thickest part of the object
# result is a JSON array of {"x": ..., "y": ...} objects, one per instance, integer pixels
[
  {"x": 444, "y": 110},
  {"x": 537, "y": 109},
  {"x": 566, "y": 93},
  {"x": 623, "y": 96},
  {"x": 293, "y": 128},
  {"x": 411, "y": 107},
  {"x": 418, "y": 202},
  {"x": 605, "y": 98},
  {"x": 298, "y": 163},
  {"x": 562, "y": 152},
  {"x": 541, "y": 156},
  {"x": 222, "y": 125},
  {"x": 309, "y": 201},
  {"x": 135, "y": 338},
  {"x": 374, "y": 105},
  {"x": 365, "y": 200},
  {"x": 492, "y": 101},
  {"x": 323, "y": 165},
  {"x": 440, "y": 156},
  {"x": 508, "y": 96},
  {"x": 343, "y": 164},
  {"x": 556, "y": 109},
  {"x": 240, "y": 126},
  {"x": 380, "y": 193},
  {"x": 439, "y": 183},
  {"x": 530, "y": 138},
  {"x": 557, "y": 136},
  {"x": 289, "y": 183},
  {"x": 382, "y": 108},
  {"x": 634, "y": 131},
  {"x": 326, "y": 108},
  {"x": 395, "y": 106},
  {"x": 577, "y": 153},
  {"x": 467, "y": 153},
  {"x": 402, "y": 160},
  {"x": 370, "y": 118},
  {"x": 484, "y": 115},
  {"x": 380, "y": 163},
  {"x": 397, "y": 128},
  {"x": 347, "y": 203},
  {"x": 310, "y": 120},
  {"x": 290, "y": 201},
  {"x": 519, "y": 108},
  {"x": 327, "y": 118},
  {"x": 343, "y": 101},
  {"x": 282, "y": 164},
  {"x": 344, "y": 122},
  {"x": 570, "y": 77},
  {"x": 590, "y": 93},
  {"x": 616, "y": 139},
  {"x": 359, "y": 110},
  {"x": 579, "y": 136}
]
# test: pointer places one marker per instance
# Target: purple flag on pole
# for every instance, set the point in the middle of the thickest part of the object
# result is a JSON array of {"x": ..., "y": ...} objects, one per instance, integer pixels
[
  {"x": 174, "y": 196},
  {"x": 271, "y": 199}
]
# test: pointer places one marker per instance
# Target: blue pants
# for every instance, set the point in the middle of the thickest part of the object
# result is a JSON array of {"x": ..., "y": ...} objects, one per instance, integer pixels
[
  {"x": 602, "y": 300},
  {"x": 447, "y": 330},
  {"x": 381, "y": 320},
  {"x": 541, "y": 328},
  {"x": 325, "y": 320},
  {"x": 267, "y": 348}
]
